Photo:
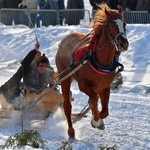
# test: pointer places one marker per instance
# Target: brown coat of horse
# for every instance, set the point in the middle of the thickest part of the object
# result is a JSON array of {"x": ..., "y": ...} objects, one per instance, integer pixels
[{"x": 109, "y": 27}]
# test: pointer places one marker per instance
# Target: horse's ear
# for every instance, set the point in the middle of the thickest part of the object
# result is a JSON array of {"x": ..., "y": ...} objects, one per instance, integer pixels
[
  {"x": 107, "y": 13},
  {"x": 120, "y": 10}
]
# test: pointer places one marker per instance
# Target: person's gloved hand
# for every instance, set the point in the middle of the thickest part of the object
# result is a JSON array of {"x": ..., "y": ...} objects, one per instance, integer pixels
[
  {"x": 37, "y": 45},
  {"x": 20, "y": 5}
]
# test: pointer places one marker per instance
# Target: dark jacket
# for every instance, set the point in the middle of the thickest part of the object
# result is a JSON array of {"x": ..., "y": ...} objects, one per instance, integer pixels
[
  {"x": 11, "y": 88},
  {"x": 43, "y": 5},
  {"x": 74, "y": 17},
  {"x": 61, "y": 4},
  {"x": 115, "y": 3},
  {"x": 143, "y": 5},
  {"x": 75, "y": 4},
  {"x": 94, "y": 3},
  {"x": 10, "y": 3},
  {"x": 33, "y": 80},
  {"x": 27, "y": 61},
  {"x": 131, "y": 4}
]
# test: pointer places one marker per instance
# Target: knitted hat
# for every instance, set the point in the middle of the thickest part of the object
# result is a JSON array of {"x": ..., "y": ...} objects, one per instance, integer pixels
[{"x": 42, "y": 59}]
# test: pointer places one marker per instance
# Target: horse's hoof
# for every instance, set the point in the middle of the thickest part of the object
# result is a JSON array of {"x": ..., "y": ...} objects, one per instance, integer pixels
[
  {"x": 71, "y": 133},
  {"x": 98, "y": 124},
  {"x": 72, "y": 139}
]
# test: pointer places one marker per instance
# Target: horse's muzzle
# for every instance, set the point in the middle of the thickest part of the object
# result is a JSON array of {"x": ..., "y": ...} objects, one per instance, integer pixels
[{"x": 122, "y": 43}]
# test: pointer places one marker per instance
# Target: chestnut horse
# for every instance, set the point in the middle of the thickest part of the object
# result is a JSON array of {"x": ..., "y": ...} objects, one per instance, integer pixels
[{"x": 109, "y": 29}]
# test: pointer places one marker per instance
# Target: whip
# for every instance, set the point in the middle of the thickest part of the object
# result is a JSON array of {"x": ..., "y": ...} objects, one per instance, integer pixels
[{"x": 31, "y": 23}]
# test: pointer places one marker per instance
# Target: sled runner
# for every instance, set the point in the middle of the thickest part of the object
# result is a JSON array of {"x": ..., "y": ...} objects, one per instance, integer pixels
[{"x": 48, "y": 104}]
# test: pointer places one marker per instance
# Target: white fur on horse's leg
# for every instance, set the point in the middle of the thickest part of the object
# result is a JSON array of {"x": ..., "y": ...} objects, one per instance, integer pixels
[{"x": 98, "y": 124}]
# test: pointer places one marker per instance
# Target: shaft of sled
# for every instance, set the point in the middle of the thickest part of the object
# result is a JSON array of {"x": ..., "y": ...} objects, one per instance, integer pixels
[
  {"x": 54, "y": 86},
  {"x": 80, "y": 115}
]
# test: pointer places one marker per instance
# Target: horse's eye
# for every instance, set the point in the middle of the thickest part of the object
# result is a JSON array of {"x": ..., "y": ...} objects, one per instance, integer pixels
[
  {"x": 111, "y": 26},
  {"x": 124, "y": 24}
]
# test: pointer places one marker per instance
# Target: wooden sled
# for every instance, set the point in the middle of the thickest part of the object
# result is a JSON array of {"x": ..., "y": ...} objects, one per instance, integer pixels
[{"x": 48, "y": 104}]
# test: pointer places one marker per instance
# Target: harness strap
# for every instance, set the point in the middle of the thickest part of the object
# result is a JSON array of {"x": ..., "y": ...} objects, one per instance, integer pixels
[
  {"x": 92, "y": 45},
  {"x": 85, "y": 52},
  {"x": 88, "y": 53},
  {"x": 104, "y": 69}
]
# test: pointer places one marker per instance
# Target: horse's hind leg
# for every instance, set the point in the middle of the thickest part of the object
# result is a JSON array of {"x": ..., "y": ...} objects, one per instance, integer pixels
[{"x": 67, "y": 106}]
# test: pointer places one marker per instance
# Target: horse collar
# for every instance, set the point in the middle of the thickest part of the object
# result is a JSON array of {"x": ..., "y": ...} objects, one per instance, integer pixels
[
  {"x": 89, "y": 53},
  {"x": 97, "y": 67}
]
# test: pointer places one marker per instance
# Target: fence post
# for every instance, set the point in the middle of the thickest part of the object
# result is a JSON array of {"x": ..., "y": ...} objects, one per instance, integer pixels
[{"x": 0, "y": 16}]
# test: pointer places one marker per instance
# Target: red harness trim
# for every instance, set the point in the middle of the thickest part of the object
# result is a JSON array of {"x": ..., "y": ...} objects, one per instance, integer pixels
[
  {"x": 98, "y": 68},
  {"x": 79, "y": 53},
  {"x": 97, "y": 71}
]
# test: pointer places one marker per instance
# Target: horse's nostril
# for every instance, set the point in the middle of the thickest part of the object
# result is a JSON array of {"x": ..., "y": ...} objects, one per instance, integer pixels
[{"x": 121, "y": 44}]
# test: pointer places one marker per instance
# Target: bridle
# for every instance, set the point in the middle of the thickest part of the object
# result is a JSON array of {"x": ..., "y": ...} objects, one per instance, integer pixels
[{"x": 114, "y": 38}]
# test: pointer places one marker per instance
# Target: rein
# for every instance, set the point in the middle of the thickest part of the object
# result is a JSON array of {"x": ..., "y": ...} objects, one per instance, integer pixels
[
  {"x": 27, "y": 107},
  {"x": 114, "y": 38}
]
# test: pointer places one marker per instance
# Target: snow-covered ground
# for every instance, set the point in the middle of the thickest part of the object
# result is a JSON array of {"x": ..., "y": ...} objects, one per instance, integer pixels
[{"x": 127, "y": 126}]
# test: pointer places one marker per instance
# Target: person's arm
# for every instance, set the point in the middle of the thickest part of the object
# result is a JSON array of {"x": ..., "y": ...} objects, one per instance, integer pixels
[{"x": 28, "y": 60}]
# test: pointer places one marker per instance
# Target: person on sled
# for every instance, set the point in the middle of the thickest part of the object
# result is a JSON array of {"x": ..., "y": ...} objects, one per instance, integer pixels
[{"x": 37, "y": 75}]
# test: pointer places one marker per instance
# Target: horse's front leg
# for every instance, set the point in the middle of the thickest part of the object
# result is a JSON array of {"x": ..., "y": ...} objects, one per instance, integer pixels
[
  {"x": 104, "y": 96},
  {"x": 67, "y": 106},
  {"x": 96, "y": 122}
]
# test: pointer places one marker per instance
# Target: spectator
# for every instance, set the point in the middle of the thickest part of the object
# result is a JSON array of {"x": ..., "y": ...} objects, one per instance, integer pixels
[
  {"x": 43, "y": 18},
  {"x": 115, "y": 3},
  {"x": 74, "y": 17},
  {"x": 30, "y": 4},
  {"x": 61, "y": 4},
  {"x": 143, "y": 5},
  {"x": 57, "y": 5},
  {"x": 8, "y": 17},
  {"x": 43, "y": 4},
  {"x": 10, "y": 3},
  {"x": 94, "y": 4},
  {"x": 1, "y": 3},
  {"x": 50, "y": 17},
  {"x": 25, "y": 14},
  {"x": 131, "y": 5}
]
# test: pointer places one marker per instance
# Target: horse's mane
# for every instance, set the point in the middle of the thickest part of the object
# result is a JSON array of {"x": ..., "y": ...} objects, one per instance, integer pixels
[{"x": 101, "y": 16}]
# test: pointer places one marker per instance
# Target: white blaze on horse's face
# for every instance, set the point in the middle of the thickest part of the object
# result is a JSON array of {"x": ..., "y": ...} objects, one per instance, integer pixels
[
  {"x": 119, "y": 23},
  {"x": 120, "y": 40}
]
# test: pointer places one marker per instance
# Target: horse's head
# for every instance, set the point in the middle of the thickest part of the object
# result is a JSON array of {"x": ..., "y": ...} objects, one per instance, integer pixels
[{"x": 112, "y": 22}]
